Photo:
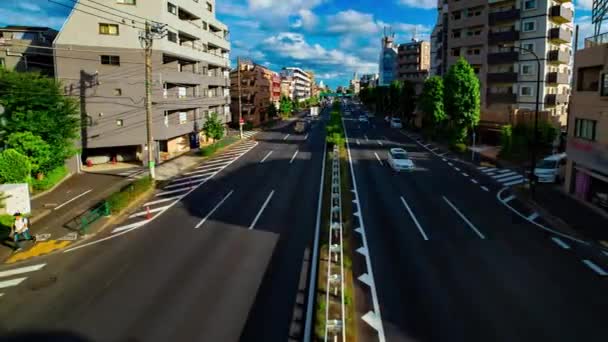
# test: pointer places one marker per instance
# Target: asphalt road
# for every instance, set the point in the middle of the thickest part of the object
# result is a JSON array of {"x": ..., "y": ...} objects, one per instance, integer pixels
[
  {"x": 234, "y": 278},
  {"x": 463, "y": 268}
]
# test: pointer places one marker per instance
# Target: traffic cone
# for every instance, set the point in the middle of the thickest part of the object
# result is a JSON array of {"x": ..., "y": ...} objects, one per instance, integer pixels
[{"x": 148, "y": 213}]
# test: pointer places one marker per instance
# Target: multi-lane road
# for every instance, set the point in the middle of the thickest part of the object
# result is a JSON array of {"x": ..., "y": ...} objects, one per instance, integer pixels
[
  {"x": 224, "y": 263},
  {"x": 451, "y": 263}
]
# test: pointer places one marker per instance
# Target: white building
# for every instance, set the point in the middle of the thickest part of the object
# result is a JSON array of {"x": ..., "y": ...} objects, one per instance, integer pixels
[{"x": 301, "y": 82}]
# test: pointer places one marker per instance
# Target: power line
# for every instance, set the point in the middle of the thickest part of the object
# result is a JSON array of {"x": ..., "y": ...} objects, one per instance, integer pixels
[
  {"x": 117, "y": 10},
  {"x": 110, "y": 13},
  {"x": 89, "y": 13}
]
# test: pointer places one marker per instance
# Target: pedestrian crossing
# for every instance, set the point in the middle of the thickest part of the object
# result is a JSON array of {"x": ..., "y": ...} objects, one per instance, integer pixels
[
  {"x": 15, "y": 276},
  {"x": 505, "y": 177},
  {"x": 182, "y": 185}
]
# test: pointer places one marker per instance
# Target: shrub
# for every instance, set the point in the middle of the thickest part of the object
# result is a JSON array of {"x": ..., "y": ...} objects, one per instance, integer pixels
[
  {"x": 6, "y": 224},
  {"x": 118, "y": 201},
  {"x": 209, "y": 150},
  {"x": 14, "y": 167},
  {"x": 213, "y": 127},
  {"x": 33, "y": 147},
  {"x": 248, "y": 126},
  {"x": 459, "y": 147},
  {"x": 50, "y": 179},
  {"x": 506, "y": 139}
]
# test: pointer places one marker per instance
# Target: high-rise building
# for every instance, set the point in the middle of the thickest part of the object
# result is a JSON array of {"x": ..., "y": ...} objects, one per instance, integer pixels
[
  {"x": 388, "y": 60},
  {"x": 368, "y": 81},
  {"x": 257, "y": 90},
  {"x": 26, "y": 48},
  {"x": 300, "y": 89},
  {"x": 99, "y": 58},
  {"x": 490, "y": 35},
  {"x": 414, "y": 63},
  {"x": 355, "y": 84}
]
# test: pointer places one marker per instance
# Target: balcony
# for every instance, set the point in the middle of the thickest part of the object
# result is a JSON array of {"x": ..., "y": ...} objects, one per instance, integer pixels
[
  {"x": 505, "y": 16},
  {"x": 557, "y": 78},
  {"x": 558, "y": 57},
  {"x": 560, "y": 14},
  {"x": 495, "y": 38},
  {"x": 503, "y": 57},
  {"x": 556, "y": 99},
  {"x": 502, "y": 77},
  {"x": 560, "y": 35},
  {"x": 501, "y": 98}
]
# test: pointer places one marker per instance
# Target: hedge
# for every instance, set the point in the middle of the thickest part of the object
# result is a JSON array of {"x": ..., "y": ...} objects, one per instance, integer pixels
[
  {"x": 14, "y": 167},
  {"x": 212, "y": 149},
  {"x": 50, "y": 179},
  {"x": 118, "y": 201}
]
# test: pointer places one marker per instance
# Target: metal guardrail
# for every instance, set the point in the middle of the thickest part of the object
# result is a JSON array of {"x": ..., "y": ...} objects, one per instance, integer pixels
[
  {"x": 596, "y": 40},
  {"x": 82, "y": 222},
  {"x": 335, "y": 320}
]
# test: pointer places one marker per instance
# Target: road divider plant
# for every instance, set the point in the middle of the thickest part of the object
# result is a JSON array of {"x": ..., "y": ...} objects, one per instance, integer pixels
[
  {"x": 121, "y": 200},
  {"x": 209, "y": 150}
]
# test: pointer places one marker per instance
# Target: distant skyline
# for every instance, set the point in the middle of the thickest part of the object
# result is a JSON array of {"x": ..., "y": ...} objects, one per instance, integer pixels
[{"x": 332, "y": 38}]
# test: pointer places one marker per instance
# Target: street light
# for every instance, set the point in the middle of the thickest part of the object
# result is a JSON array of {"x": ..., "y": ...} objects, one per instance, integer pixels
[{"x": 532, "y": 176}]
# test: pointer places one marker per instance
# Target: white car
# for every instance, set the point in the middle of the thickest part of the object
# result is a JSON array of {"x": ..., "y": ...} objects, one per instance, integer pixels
[
  {"x": 363, "y": 118},
  {"x": 398, "y": 160},
  {"x": 396, "y": 123},
  {"x": 551, "y": 169}
]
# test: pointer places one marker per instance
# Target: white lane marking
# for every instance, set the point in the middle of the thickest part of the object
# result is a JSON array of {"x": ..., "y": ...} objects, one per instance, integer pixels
[
  {"x": 471, "y": 225},
  {"x": 11, "y": 282},
  {"x": 172, "y": 191},
  {"x": 257, "y": 217},
  {"x": 474, "y": 181},
  {"x": 181, "y": 179},
  {"x": 287, "y": 136},
  {"x": 366, "y": 139},
  {"x": 72, "y": 199},
  {"x": 204, "y": 172},
  {"x": 21, "y": 270},
  {"x": 464, "y": 174},
  {"x": 166, "y": 199},
  {"x": 595, "y": 268},
  {"x": 129, "y": 226},
  {"x": 490, "y": 174},
  {"x": 145, "y": 212},
  {"x": 504, "y": 171},
  {"x": 450, "y": 164},
  {"x": 375, "y": 304},
  {"x": 560, "y": 243},
  {"x": 482, "y": 167},
  {"x": 186, "y": 183},
  {"x": 212, "y": 165},
  {"x": 503, "y": 175},
  {"x": 379, "y": 160},
  {"x": 266, "y": 157},
  {"x": 519, "y": 181},
  {"x": 358, "y": 143},
  {"x": 306, "y": 137},
  {"x": 492, "y": 169},
  {"x": 407, "y": 207},
  {"x": 445, "y": 160},
  {"x": 153, "y": 218},
  {"x": 533, "y": 216},
  {"x": 508, "y": 199},
  {"x": 379, "y": 142},
  {"x": 214, "y": 209},
  {"x": 294, "y": 156},
  {"x": 457, "y": 169},
  {"x": 312, "y": 278},
  {"x": 512, "y": 178},
  {"x": 485, "y": 188}
]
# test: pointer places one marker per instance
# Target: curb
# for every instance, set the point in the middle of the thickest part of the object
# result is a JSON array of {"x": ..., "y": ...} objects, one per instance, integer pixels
[{"x": 40, "y": 194}]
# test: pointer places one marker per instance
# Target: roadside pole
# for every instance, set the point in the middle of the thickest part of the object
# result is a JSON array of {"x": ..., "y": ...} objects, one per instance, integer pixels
[{"x": 238, "y": 73}]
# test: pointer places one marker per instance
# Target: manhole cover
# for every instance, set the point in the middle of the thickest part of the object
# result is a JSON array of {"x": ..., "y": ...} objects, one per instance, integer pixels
[{"x": 43, "y": 283}]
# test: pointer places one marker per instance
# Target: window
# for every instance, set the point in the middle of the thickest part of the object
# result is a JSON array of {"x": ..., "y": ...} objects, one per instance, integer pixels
[
  {"x": 209, "y": 7},
  {"x": 585, "y": 129},
  {"x": 476, "y": 68},
  {"x": 456, "y": 15},
  {"x": 181, "y": 92},
  {"x": 525, "y": 91},
  {"x": 456, "y": 34},
  {"x": 183, "y": 118},
  {"x": 604, "y": 90},
  {"x": 529, "y": 26},
  {"x": 171, "y": 8},
  {"x": 110, "y": 60},
  {"x": 527, "y": 69},
  {"x": 527, "y": 46},
  {"x": 166, "y": 119},
  {"x": 109, "y": 29},
  {"x": 456, "y": 52},
  {"x": 529, "y": 4},
  {"x": 205, "y": 26},
  {"x": 172, "y": 36},
  {"x": 473, "y": 51},
  {"x": 117, "y": 92},
  {"x": 119, "y": 123},
  {"x": 126, "y": 2},
  {"x": 474, "y": 12}
]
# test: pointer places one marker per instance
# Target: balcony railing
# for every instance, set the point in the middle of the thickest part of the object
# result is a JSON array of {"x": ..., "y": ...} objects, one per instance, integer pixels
[
  {"x": 599, "y": 39},
  {"x": 557, "y": 78},
  {"x": 561, "y": 14},
  {"x": 501, "y": 98},
  {"x": 560, "y": 35},
  {"x": 499, "y": 17},
  {"x": 502, "y": 77},
  {"x": 556, "y": 99},
  {"x": 503, "y": 57},
  {"x": 558, "y": 57},
  {"x": 495, "y": 38}
]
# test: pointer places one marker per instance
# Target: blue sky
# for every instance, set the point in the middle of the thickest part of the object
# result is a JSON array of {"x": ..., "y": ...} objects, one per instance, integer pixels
[{"x": 334, "y": 38}]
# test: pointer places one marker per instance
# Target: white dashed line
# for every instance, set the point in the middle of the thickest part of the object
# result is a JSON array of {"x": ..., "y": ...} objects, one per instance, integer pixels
[
  {"x": 214, "y": 209},
  {"x": 474, "y": 181},
  {"x": 287, "y": 136},
  {"x": 457, "y": 169},
  {"x": 485, "y": 188},
  {"x": 560, "y": 243},
  {"x": 464, "y": 174},
  {"x": 294, "y": 156},
  {"x": 379, "y": 160},
  {"x": 257, "y": 217},
  {"x": 471, "y": 225},
  {"x": 595, "y": 267},
  {"x": 266, "y": 157}
]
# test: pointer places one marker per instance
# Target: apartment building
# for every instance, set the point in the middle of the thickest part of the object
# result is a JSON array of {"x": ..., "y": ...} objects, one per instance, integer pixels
[
  {"x": 313, "y": 83},
  {"x": 288, "y": 85},
  {"x": 257, "y": 90},
  {"x": 300, "y": 89},
  {"x": 276, "y": 89},
  {"x": 388, "y": 61},
  {"x": 414, "y": 63},
  {"x": 587, "y": 149},
  {"x": 27, "y": 48},
  {"x": 491, "y": 35},
  {"x": 99, "y": 58}
]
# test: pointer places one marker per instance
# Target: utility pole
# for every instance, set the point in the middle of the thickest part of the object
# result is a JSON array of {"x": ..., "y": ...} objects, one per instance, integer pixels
[{"x": 238, "y": 73}]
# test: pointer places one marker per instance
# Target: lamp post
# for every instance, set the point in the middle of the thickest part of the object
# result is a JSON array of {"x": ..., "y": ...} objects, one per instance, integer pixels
[{"x": 532, "y": 176}]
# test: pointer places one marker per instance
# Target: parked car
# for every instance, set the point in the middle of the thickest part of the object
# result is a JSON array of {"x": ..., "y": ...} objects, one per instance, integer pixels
[
  {"x": 301, "y": 126},
  {"x": 399, "y": 160},
  {"x": 551, "y": 169},
  {"x": 363, "y": 118},
  {"x": 396, "y": 123}
]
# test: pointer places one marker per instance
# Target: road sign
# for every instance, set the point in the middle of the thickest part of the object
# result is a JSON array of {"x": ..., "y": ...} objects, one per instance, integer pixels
[{"x": 241, "y": 121}]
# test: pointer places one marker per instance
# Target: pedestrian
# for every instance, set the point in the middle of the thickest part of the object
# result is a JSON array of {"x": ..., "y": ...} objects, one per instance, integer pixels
[{"x": 21, "y": 229}]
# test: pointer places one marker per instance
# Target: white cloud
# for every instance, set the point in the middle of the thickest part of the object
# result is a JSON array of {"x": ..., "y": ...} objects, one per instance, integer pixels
[
  {"x": 308, "y": 19},
  {"x": 282, "y": 7},
  {"x": 584, "y": 4},
  {"x": 426, "y": 4},
  {"x": 250, "y": 24},
  {"x": 351, "y": 21},
  {"x": 234, "y": 10},
  {"x": 29, "y": 6}
]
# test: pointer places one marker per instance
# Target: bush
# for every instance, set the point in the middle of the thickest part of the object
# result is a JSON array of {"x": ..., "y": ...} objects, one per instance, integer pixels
[
  {"x": 210, "y": 150},
  {"x": 118, "y": 201},
  {"x": 459, "y": 147},
  {"x": 506, "y": 139},
  {"x": 213, "y": 127},
  {"x": 248, "y": 126},
  {"x": 14, "y": 167},
  {"x": 6, "y": 225},
  {"x": 50, "y": 179},
  {"x": 33, "y": 147}
]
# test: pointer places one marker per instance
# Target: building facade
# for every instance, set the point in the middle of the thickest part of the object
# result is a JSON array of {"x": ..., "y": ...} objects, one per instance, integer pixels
[
  {"x": 27, "y": 48},
  {"x": 387, "y": 65},
  {"x": 587, "y": 149},
  {"x": 414, "y": 63},
  {"x": 490, "y": 35},
  {"x": 368, "y": 81},
  {"x": 276, "y": 89},
  {"x": 300, "y": 89},
  {"x": 99, "y": 59},
  {"x": 257, "y": 91},
  {"x": 355, "y": 84}
]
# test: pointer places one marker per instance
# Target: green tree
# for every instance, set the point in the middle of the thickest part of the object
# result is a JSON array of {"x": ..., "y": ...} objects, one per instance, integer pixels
[
  {"x": 271, "y": 110},
  {"x": 285, "y": 106},
  {"x": 213, "y": 127},
  {"x": 33, "y": 147},
  {"x": 394, "y": 94},
  {"x": 35, "y": 103},
  {"x": 381, "y": 97},
  {"x": 296, "y": 105},
  {"x": 14, "y": 167},
  {"x": 407, "y": 100},
  {"x": 461, "y": 98},
  {"x": 431, "y": 102}
]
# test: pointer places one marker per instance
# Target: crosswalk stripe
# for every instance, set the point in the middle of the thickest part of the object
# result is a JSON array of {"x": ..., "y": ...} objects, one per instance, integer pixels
[
  {"x": 509, "y": 179},
  {"x": 145, "y": 212},
  {"x": 189, "y": 177},
  {"x": 503, "y": 171},
  {"x": 515, "y": 182},
  {"x": 11, "y": 282},
  {"x": 129, "y": 226},
  {"x": 21, "y": 270},
  {"x": 173, "y": 191},
  {"x": 214, "y": 164},
  {"x": 489, "y": 170},
  {"x": 482, "y": 168},
  {"x": 502, "y": 175},
  {"x": 192, "y": 182},
  {"x": 204, "y": 172},
  {"x": 166, "y": 199}
]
